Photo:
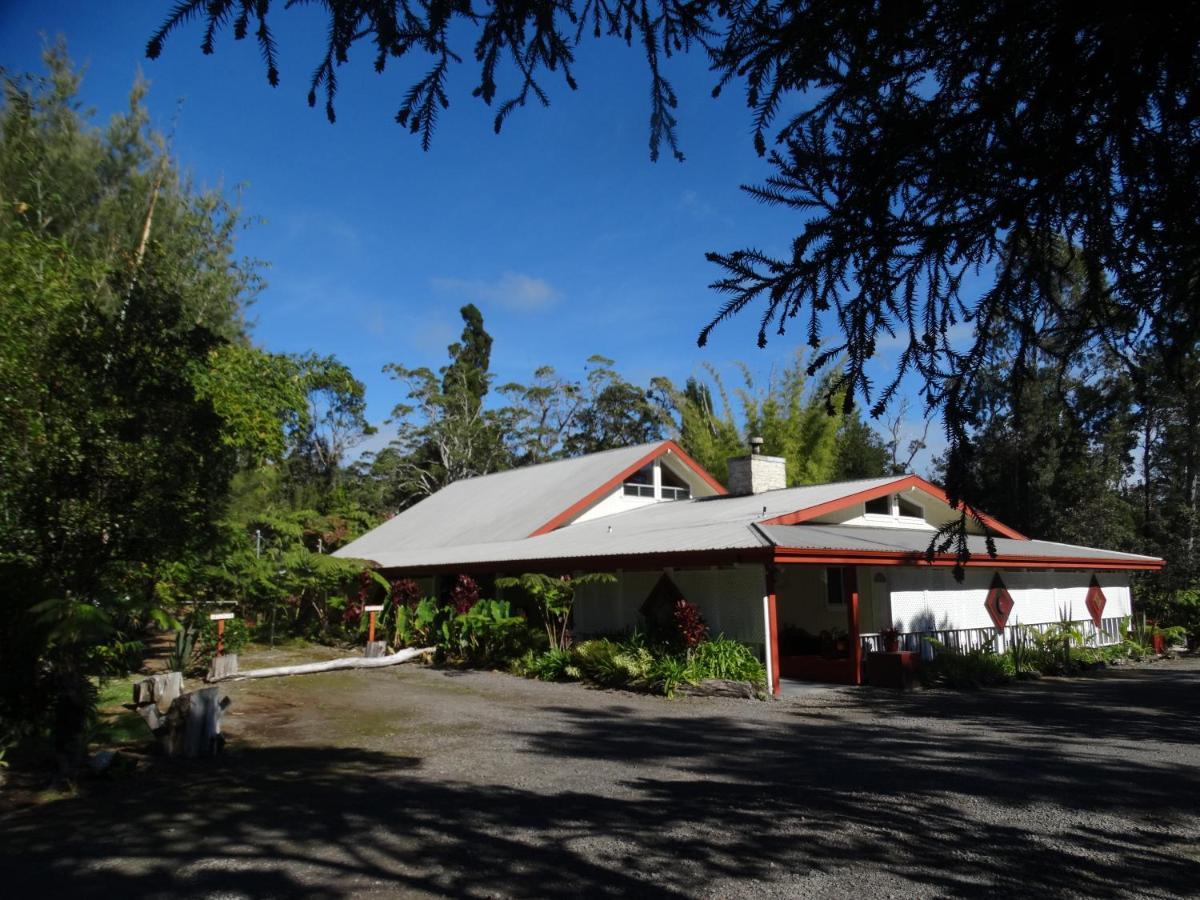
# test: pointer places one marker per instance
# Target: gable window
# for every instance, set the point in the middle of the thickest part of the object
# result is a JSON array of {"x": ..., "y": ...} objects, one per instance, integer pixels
[
  {"x": 880, "y": 506},
  {"x": 908, "y": 509},
  {"x": 834, "y": 595}
]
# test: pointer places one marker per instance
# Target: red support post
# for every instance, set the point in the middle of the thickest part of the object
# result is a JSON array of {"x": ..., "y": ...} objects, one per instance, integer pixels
[
  {"x": 371, "y": 629},
  {"x": 850, "y": 586},
  {"x": 220, "y": 636},
  {"x": 773, "y": 625}
]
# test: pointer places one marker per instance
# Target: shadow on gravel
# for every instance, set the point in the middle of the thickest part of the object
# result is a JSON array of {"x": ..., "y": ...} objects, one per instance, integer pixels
[{"x": 702, "y": 798}]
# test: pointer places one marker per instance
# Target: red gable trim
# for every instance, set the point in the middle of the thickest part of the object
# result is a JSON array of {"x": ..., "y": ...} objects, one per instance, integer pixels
[
  {"x": 661, "y": 450},
  {"x": 900, "y": 484},
  {"x": 1007, "y": 561}
]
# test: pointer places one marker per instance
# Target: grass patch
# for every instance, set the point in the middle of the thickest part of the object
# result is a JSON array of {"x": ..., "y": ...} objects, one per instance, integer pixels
[{"x": 114, "y": 723}]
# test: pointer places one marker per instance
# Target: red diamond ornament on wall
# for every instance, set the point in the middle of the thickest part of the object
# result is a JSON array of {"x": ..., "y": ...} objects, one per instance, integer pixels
[
  {"x": 1095, "y": 601},
  {"x": 999, "y": 603}
]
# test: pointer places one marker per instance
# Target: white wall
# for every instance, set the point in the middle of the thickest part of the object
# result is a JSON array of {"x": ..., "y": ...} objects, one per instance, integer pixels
[
  {"x": 615, "y": 502},
  {"x": 925, "y": 599},
  {"x": 729, "y": 598}
]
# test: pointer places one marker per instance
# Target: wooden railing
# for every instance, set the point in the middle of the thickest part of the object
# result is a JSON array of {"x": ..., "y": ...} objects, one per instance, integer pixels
[{"x": 965, "y": 639}]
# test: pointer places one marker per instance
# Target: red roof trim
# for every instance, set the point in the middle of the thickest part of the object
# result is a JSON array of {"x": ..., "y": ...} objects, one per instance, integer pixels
[
  {"x": 900, "y": 484},
  {"x": 984, "y": 560},
  {"x": 661, "y": 450}
]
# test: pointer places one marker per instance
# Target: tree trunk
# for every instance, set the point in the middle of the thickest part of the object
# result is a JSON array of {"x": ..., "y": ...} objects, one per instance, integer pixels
[{"x": 353, "y": 662}]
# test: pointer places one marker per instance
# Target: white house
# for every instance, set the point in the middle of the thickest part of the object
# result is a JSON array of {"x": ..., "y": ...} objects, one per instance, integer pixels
[{"x": 810, "y": 575}]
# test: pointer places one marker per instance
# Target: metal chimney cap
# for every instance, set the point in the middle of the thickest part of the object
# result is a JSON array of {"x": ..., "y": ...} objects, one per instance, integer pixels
[{"x": 756, "y": 444}]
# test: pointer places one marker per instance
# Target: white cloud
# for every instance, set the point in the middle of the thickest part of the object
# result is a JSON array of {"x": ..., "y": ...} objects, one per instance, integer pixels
[{"x": 512, "y": 290}]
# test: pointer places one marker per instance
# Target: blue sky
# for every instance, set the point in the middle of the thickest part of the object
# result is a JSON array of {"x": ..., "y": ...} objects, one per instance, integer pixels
[{"x": 560, "y": 229}]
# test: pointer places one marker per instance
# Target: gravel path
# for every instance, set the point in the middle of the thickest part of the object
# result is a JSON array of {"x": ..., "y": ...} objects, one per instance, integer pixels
[{"x": 417, "y": 782}]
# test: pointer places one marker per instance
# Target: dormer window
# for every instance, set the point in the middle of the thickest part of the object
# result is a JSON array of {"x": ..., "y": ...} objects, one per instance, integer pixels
[
  {"x": 670, "y": 486},
  {"x": 895, "y": 507},
  {"x": 880, "y": 506}
]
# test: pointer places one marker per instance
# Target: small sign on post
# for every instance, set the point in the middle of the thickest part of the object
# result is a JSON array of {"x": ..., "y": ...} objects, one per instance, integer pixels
[
  {"x": 221, "y": 619},
  {"x": 374, "y": 648}
]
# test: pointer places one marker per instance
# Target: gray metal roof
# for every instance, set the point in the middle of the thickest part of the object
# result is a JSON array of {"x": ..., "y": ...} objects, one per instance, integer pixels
[
  {"x": 912, "y": 540},
  {"x": 709, "y": 523},
  {"x": 504, "y": 506},
  {"x": 485, "y": 520}
]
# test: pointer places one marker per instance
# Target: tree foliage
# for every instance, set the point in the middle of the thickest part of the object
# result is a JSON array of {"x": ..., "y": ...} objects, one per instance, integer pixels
[
  {"x": 790, "y": 412},
  {"x": 919, "y": 145},
  {"x": 130, "y": 394}
]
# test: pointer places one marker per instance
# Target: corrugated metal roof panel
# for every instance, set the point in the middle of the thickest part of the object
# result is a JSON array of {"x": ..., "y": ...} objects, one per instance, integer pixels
[
  {"x": 710, "y": 523},
  {"x": 504, "y": 506},
  {"x": 904, "y": 540}
]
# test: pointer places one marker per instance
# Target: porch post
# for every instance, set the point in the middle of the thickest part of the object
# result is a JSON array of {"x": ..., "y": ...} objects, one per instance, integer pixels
[
  {"x": 850, "y": 582},
  {"x": 771, "y": 626}
]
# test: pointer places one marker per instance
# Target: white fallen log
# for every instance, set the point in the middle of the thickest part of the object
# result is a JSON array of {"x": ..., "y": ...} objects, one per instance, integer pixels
[{"x": 353, "y": 662}]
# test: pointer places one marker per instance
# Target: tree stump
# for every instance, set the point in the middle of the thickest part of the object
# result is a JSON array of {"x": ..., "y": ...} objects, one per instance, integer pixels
[
  {"x": 222, "y": 667},
  {"x": 160, "y": 689},
  {"x": 375, "y": 649},
  {"x": 184, "y": 724}
]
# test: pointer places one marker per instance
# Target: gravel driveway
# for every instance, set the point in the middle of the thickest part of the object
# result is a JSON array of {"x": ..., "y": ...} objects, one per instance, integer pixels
[{"x": 418, "y": 782}]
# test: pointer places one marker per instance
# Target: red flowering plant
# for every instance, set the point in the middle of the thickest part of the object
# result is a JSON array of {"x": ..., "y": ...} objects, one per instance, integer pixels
[{"x": 693, "y": 630}]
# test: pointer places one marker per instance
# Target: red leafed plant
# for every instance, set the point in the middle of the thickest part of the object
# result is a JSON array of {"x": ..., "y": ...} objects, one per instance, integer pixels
[
  {"x": 693, "y": 630},
  {"x": 405, "y": 592},
  {"x": 465, "y": 594}
]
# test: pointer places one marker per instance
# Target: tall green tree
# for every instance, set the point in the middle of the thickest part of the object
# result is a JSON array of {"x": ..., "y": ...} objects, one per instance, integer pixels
[
  {"x": 789, "y": 412},
  {"x": 614, "y": 413},
  {"x": 125, "y": 386},
  {"x": 444, "y": 431}
]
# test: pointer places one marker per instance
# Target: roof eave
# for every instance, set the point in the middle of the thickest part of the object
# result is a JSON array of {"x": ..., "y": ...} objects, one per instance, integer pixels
[{"x": 832, "y": 556}]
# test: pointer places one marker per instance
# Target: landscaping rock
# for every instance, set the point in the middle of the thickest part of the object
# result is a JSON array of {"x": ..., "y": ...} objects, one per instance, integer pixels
[{"x": 717, "y": 687}]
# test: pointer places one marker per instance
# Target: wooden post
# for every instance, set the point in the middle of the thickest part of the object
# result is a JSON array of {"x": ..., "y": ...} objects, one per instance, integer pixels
[
  {"x": 374, "y": 648},
  {"x": 850, "y": 586},
  {"x": 222, "y": 665},
  {"x": 773, "y": 629}
]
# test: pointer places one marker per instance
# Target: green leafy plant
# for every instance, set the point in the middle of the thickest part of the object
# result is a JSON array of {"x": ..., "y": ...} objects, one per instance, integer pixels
[
  {"x": 725, "y": 659},
  {"x": 183, "y": 653},
  {"x": 236, "y": 637},
  {"x": 417, "y": 626},
  {"x": 489, "y": 632},
  {"x": 548, "y": 665},
  {"x": 613, "y": 664},
  {"x": 554, "y": 597},
  {"x": 980, "y": 667},
  {"x": 666, "y": 673}
]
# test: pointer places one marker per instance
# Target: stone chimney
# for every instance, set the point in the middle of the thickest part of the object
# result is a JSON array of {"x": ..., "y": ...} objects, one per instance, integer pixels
[{"x": 756, "y": 473}]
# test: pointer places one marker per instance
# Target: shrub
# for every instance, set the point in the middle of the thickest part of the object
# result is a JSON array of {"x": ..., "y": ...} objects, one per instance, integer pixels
[
  {"x": 465, "y": 594},
  {"x": 549, "y": 665},
  {"x": 416, "y": 626},
  {"x": 489, "y": 633},
  {"x": 690, "y": 624},
  {"x": 235, "y": 638},
  {"x": 723, "y": 658},
  {"x": 973, "y": 669},
  {"x": 666, "y": 674},
  {"x": 615, "y": 665}
]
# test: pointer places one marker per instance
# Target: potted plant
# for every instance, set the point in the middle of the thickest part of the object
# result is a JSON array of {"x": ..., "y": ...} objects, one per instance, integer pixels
[
  {"x": 891, "y": 639},
  {"x": 841, "y": 643}
]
